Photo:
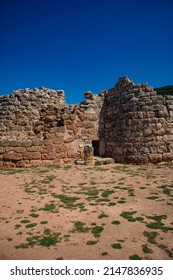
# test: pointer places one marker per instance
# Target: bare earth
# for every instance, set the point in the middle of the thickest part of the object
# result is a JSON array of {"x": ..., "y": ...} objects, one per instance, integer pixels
[{"x": 76, "y": 212}]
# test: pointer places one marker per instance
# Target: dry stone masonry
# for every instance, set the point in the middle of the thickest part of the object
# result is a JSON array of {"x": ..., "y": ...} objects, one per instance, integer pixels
[{"x": 129, "y": 122}]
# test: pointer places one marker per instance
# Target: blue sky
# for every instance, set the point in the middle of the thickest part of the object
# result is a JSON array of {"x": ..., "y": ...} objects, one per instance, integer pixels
[{"x": 82, "y": 45}]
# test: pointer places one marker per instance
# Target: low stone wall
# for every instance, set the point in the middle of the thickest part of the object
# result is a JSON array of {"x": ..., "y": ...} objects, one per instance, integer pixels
[{"x": 138, "y": 123}]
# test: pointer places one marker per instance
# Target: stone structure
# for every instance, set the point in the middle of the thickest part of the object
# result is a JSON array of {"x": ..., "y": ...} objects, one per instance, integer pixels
[{"x": 129, "y": 122}]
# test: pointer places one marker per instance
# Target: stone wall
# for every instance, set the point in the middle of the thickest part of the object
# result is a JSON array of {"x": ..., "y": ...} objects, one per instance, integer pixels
[
  {"x": 38, "y": 128},
  {"x": 138, "y": 123},
  {"x": 129, "y": 122}
]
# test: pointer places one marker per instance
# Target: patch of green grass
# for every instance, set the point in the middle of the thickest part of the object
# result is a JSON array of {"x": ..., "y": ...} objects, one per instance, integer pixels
[
  {"x": 106, "y": 193},
  {"x": 43, "y": 222},
  {"x": 153, "y": 197},
  {"x": 103, "y": 200},
  {"x": 91, "y": 242},
  {"x": 48, "y": 239},
  {"x": 135, "y": 257},
  {"x": 17, "y": 226},
  {"x": 25, "y": 221},
  {"x": 156, "y": 225},
  {"x": 79, "y": 226},
  {"x": 151, "y": 236},
  {"x": 121, "y": 201},
  {"x": 128, "y": 216},
  {"x": 92, "y": 193},
  {"x": 67, "y": 199},
  {"x": 19, "y": 211},
  {"x": 48, "y": 179},
  {"x": 146, "y": 249},
  {"x": 116, "y": 246},
  {"x": 110, "y": 204},
  {"x": 48, "y": 207},
  {"x": 9, "y": 239},
  {"x": 29, "y": 190},
  {"x": 97, "y": 230},
  {"x": 104, "y": 253},
  {"x": 102, "y": 216},
  {"x": 122, "y": 168},
  {"x": 31, "y": 225},
  {"x": 34, "y": 215},
  {"x": 157, "y": 218},
  {"x": 115, "y": 222},
  {"x": 11, "y": 171},
  {"x": 43, "y": 171}
]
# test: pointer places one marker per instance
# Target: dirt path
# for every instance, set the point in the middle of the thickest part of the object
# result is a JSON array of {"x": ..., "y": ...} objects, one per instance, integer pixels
[{"x": 103, "y": 212}]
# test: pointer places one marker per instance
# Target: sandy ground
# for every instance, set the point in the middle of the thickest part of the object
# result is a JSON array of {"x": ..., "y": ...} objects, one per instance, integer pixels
[{"x": 77, "y": 212}]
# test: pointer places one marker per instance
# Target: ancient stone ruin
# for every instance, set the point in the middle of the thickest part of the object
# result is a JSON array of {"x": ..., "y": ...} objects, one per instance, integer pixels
[{"x": 128, "y": 122}]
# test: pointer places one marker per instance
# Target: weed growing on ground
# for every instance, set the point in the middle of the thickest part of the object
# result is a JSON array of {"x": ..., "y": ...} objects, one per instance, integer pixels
[{"x": 116, "y": 246}]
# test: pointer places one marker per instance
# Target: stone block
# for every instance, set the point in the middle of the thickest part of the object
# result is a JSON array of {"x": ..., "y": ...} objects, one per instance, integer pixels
[
  {"x": 168, "y": 157},
  {"x": 71, "y": 154},
  {"x": 69, "y": 139},
  {"x": 48, "y": 156},
  {"x": 7, "y": 164},
  {"x": 8, "y": 149},
  {"x": 31, "y": 155},
  {"x": 167, "y": 138},
  {"x": 20, "y": 149},
  {"x": 26, "y": 143},
  {"x": 47, "y": 142},
  {"x": 12, "y": 156},
  {"x": 33, "y": 149},
  {"x": 71, "y": 127},
  {"x": 155, "y": 158},
  {"x": 58, "y": 140}
]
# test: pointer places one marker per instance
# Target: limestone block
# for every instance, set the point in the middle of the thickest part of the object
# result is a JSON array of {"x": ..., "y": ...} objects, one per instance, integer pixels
[
  {"x": 63, "y": 155},
  {"x": 20, "y": 149},
  {"x": 88, "y": 124},
  {"x": 26, "y": 143},
  {"x": 47, "y": 162},
  {"x": 71, "y": 154},
  {"x": 12, "y": 156},
  {"x": 147, "y": 132},
  {"x": 8, "y": 149},
  {"x": 46, "y": 149},
  {"x": 69, "y": 139},
  {"x": 2, "y": 150},
  {"x": 45, "y": 156},
  {"x": 92, "y": 117},
  {"x": 71, "y": 127},
  {"x": 47, "y": 142},
  {"x": 167, "y": 138},
  {"x": 58, "y": 140},
  {"x": 23, "y": 163},
  {"x": 33, "y": 149},
  {"x": 155, "y": 158},
  {"x": 63, "y": 148},
  {"x": 31, "y": 155},
  {"x": 168, "y": 157},
  {"x": 159, "y": 132},
  {"x": 7, "y": 164},
  {"x": 68, "y": 122}
]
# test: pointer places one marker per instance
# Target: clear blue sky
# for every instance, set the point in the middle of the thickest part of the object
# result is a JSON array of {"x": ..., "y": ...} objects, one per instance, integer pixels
[{"x": 80, "y": 45}]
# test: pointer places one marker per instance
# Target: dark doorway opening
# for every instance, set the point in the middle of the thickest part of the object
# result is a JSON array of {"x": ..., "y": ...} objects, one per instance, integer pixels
[{"x": 95, "y": 145}]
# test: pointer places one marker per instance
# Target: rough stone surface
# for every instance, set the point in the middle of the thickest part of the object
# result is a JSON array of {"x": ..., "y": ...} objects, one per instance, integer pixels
[{"x": 130, "y": 122}]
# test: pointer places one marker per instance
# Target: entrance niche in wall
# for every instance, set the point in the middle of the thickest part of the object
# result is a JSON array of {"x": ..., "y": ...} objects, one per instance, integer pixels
[
  {"x": 99, "y": 147},
  {"x": 95, "y": 144}
]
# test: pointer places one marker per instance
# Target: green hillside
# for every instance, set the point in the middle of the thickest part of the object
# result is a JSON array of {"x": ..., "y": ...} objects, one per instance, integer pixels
[{"x": 167, "y": 90}]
